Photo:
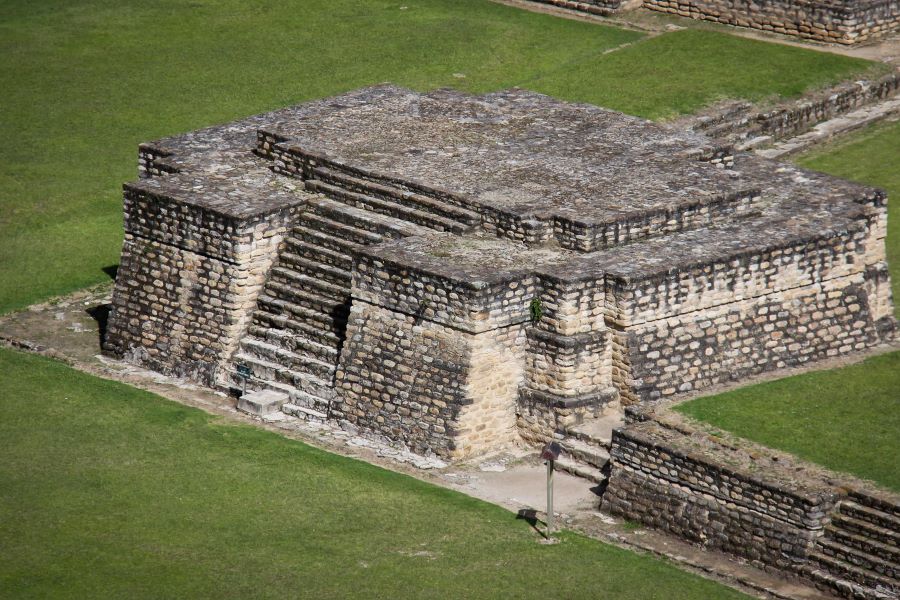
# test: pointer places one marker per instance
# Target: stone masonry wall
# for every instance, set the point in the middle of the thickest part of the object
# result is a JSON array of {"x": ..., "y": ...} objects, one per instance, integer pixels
[
  {"x": 659, "y": 478},
  {"x": 567, "y": 359},
  {"x": 719, "y": 322},
  {"x": 431, "y": 387},
  {"x": 767, "y": 506},
  {"x": 847, "y": 22},
  {"x": 187, "y": 283}
]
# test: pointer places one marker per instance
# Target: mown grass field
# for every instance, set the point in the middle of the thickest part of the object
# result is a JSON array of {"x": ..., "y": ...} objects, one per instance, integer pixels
[
  {"x": 846, "y": 419},
  {"x": 107, "y": 491},
  {"x": 83, "y": 83}
]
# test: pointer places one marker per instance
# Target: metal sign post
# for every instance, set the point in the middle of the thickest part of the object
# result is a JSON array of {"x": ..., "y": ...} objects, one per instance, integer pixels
[
  {"x": 550, "y": 454},
  {"x": 245, "y": 373}
]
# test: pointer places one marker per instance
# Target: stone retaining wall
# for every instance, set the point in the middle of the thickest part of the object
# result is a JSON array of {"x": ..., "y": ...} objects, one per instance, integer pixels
[
  {"x": 681, "y": 480},
  {"x": 742, "y": 121},
  {"x": 848, "y": 22},
  {"x": 431, "y": 387},
  {"x": 733, "y": 495},
  {"x": 187, "y": 283}
]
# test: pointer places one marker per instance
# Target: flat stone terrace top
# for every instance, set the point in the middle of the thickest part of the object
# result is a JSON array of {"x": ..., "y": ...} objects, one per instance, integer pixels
[
  {"x": 517, "y": 150},
  {"x": 522, "y": 152}
]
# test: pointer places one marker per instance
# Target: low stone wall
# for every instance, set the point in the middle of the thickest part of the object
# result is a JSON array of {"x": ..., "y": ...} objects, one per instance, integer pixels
[
  {"x": 666, "y": 479},
  {"x": 839, "y": 22},
  {"x": 743, "y": 121},
  {"x": 756, "y": 503}
]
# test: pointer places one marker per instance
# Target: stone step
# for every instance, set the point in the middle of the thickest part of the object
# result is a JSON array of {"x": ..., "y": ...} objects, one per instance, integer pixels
[
  {"x": 359, "y": 218},
  {"x": 864, "y": 544},
  {"x": 299, "y": 328},
  {"x": 890, "y": 507},
  {"x": 844, "y": 587},
  {"x": 300, "y": 404},
  {"x": 305, "y": 266},
  {"x": 268, "y": 371},
  {"x": 262, "y": 402},
  {"x": 321, "y": 239},
  {"x": 579, "y": 469},
  {"x": 298, "y": 344},
  {"x": 870, "y": 515},
  {"x": 301, "y": 282},
  {"x": 598, "y": 430},
  {"x": 274, "y": 353},
  {"x": 387, "y": 192},
  {"x": 321, "y": 323},
  {"x": 311, "y": 299},
  {"x": 318, "y": 253},
  {"x": 389, "y": 208},
  {"x": 853, "y": 573},
  {"x": 866, "y": 529},
  {"x": 339, "y": 230},
  {"x": 835, "y": 549},
  {"x": 584, "y": 452},
  {"x": 305, "y": 413}
]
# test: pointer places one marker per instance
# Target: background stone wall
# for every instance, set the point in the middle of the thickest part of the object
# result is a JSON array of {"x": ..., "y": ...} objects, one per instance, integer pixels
[{"x": 840, "y": 22}]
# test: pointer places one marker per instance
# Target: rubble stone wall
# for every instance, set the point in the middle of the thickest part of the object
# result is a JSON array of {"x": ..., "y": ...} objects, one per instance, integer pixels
[
  {"x": 659, "y": 480},
  {"x": 187, "y": 283},
  {"x": 847, "y": 22},
  {"x": 726, "y": 321},
  {"x": 431, "y": 387}
]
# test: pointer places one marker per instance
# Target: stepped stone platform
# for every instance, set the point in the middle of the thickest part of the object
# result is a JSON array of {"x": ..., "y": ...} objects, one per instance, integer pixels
[{"x": 458, "y": 272}]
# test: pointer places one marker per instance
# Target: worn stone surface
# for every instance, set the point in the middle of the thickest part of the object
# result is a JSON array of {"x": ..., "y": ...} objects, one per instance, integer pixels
[{"x": 454, "y": 271}]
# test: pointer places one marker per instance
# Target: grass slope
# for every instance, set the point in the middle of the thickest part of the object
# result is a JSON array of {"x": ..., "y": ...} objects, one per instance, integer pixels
[
  {"x": 111, "y": 492},
  {"x": 871, "y": 156},
  {"x": 846, "y": 419},
  {"x": 83, "y": 83}
]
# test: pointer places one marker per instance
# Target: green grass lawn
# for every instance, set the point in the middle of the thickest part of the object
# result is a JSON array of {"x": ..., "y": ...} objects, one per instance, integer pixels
[
  {"x": 83, "y": 83},
  {"x": 871, "y": 156},
  {"x": 846, "y": 419},
  {"x": 111, "y": 492}
]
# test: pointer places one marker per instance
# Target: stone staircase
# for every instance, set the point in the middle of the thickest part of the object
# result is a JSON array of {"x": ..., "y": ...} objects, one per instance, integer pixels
[
  {"x": 294, "y": 340},
  {"x": 585, "y": 450},
  {"x": 859, "y": 553}
]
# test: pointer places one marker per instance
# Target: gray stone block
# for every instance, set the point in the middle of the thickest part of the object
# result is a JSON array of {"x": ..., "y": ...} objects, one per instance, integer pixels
[{"x": 262, "y": 403}]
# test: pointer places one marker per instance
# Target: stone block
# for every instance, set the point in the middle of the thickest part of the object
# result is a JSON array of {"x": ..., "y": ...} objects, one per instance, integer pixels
[{"x": 262, "y": 403}]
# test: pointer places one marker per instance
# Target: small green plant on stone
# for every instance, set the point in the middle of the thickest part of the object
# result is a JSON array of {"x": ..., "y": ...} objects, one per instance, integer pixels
[{"x": 536, "y": 309}]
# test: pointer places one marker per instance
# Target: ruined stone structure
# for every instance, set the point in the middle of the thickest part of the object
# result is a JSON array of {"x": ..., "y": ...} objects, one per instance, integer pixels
[
  {"x": 835, "y": 21},
  {"x": 456, "y": 273},
  {"x": 766, "y": 506}
]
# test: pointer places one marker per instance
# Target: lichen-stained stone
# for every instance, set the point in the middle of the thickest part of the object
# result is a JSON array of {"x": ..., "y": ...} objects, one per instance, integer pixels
[{"x": 454, "y": 272}]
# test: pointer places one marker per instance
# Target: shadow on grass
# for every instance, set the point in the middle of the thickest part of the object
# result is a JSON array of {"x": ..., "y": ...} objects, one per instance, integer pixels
[{"x": 529, "y": 515}]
